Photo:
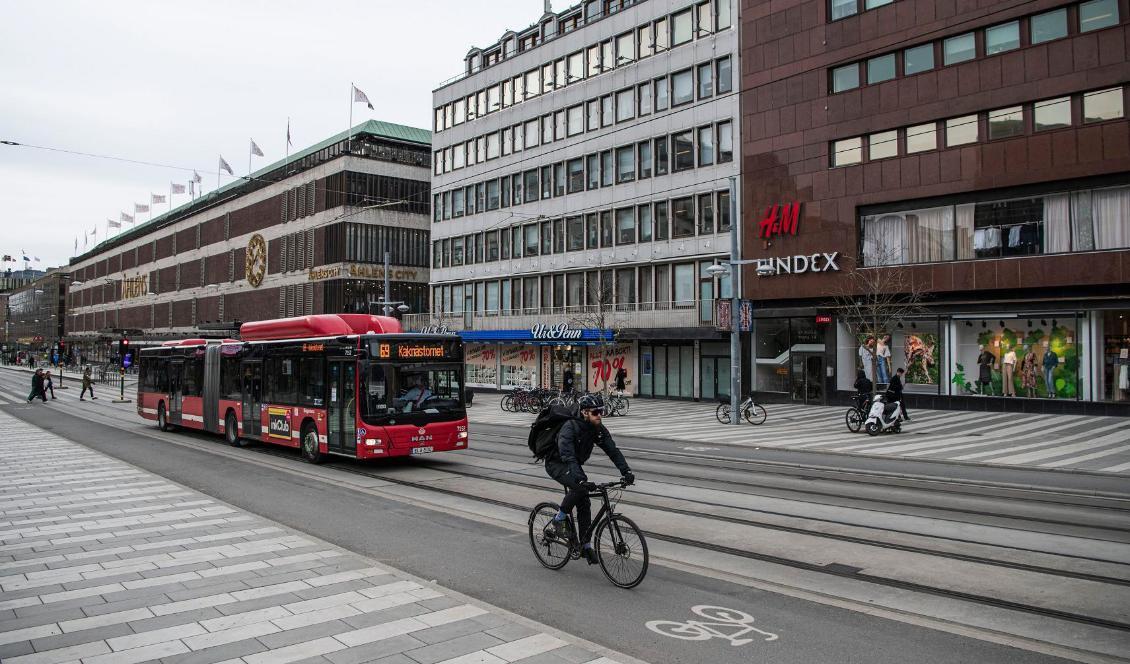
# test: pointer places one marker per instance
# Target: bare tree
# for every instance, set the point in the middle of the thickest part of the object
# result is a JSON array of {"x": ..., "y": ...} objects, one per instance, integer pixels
[
  {"x": 871, "y": 301},
  {"x": 600, "y": 314}
]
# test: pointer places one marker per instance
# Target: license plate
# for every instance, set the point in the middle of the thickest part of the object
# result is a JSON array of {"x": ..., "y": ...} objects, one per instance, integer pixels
[{"x": 422, "y": 450}]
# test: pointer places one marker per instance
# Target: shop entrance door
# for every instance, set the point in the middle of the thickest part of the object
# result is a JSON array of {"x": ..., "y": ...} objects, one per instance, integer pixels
[
  {"x": 808, "y": 378},
  {"x": 715, "y": 378}
]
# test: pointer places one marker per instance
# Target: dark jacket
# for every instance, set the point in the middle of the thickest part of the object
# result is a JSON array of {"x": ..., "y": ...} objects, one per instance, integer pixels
[
  {"x": 895, "y": 386},
  {"x": 863, "y": 384},
  {"x": 621, "y": 377},
  {"x": 575, "y": 442},
  {"x": 37, "y": 382}
]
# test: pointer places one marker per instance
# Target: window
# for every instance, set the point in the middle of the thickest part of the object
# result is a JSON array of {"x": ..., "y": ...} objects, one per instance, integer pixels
[
  {"x": 626, "y": 226},
  {"x": 516, "y": 241},
  {"x": 592, "y": 232},
  {"x": 881, "y": 68},
  {"x": 705, "y": 146},
  {"x": 575, "y": 120},
  {"x": 559, "y": 125},
  {"x": 492, "y": 194},
  {"x": 547, "y": 77},
  {"x": 547, "y": 182},
  {"x": 684, "y": 151},
  {"x": 681, "y": 28},
  {"x": 530, "y": 180},
  {"x": 606, "y": 114},
  {"x": 682, "y": 212},
  {"x": 592, "y": 164},
  {"x": 705, "y": 81},
  {"x": 606, "y": 230},
  {"x": 607, "y": 57},
  {"x": 625, "y": 105},
  {"x": 883, "y": 145},
  {"x": 1103, "y": 105},
  {"x": 725, "y": 142},
  {"x": 644, "y": 42},
  {"x": 1048, "y": 26},
  {"x": 1097, "y": 14},
  {"x": 960, "y": 131},
  {"x": 959, "y": 49},
  {"x": 576, "y": 175},
  {"x": 724, "y": 75},
  {"x": 643, "y": 155},
  {"x": 662, "y": 36},
  {"x": 872, "y": 4},
  {"x": 606, "y": 168},
  {"x": 845, "y": 78},
  {"x": 847, "y": 151},
  {"x": 457, "y": 202},
  {"x": 1001, "y": 38},
  {"x": 842, "y": 8},
  {"x": 1052, "y": 114},
  {"x": 722, "y": 14},
  {"x": 558, "y": 236},
  {"x": 507, "y": 140},
  {"x": 576, "y": 67},
  {"x": 918, "y": 59},
  {"x": 592, "y": 123},
  {"x": 920, "y": 138},
  {"x": 704, "y": 24},
  {"x": 662, "y": 226},
  {"x": 706, "y": 214},
  {"x": 504, "y": 191},
  {"x": 660, "y": 155},
  {"x": 493, "y": 145},
  {"x": 643, "y": 214},
  {"x": 1006, "y": 122},
  {"x": 625, "y": 49},
  {"x": 594, "y": 60},
  {"x": 625, "y": 164},
  {"x": 531, "y": 236},
  {"x": 723, "y": 211},
  {"x": 661, "y": 99},
  {"x": 457, "y": 251},
  {"x": 575, "y": 233},
  {"x": 682, "y": 87},
  {"x": 492, "y": 246},
  {"x": 531, "y": 134},
  {"x": 684, "y": 284},
  {"x": 492, "y": 99},
  {"x": 644, "y": 101}
]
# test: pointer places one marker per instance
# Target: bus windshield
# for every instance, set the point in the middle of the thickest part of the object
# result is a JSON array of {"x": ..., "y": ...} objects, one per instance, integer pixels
[{"x": 414, "y": 389}]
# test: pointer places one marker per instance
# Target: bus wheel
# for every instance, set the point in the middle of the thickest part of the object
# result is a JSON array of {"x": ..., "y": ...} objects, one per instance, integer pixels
[
  {"x": 310, "y": 450},
  {"x": 231, "y": 431},
  {"x": 162, "y": 419}
]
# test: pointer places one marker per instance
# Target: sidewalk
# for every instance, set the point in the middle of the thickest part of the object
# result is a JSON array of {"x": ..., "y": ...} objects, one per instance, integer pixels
[
  {"x": 103, "y": 563},
  {"x": 1070, "y": 442}
]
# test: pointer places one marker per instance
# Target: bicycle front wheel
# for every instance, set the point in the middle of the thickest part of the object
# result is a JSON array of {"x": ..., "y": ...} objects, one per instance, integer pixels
[
  {"x": 550, "y": 550},
  {"x": 755, "y": 414},
  {"x": 854, "y": 420},
  {"x": 622, "y": 551}
]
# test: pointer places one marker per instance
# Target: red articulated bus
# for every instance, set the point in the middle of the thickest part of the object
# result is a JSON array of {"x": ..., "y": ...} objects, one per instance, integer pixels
[{"x": 352, "y": 385}]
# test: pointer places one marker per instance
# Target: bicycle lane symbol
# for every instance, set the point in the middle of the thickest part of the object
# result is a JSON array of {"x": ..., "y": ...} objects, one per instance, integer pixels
[{"x": 722, "y": 623}]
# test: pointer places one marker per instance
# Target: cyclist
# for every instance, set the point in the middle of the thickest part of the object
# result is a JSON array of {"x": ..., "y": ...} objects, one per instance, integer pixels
[{"x": 575, "y": 441}]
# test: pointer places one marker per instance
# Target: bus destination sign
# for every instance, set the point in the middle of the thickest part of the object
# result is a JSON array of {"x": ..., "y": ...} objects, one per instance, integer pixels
[{"x": 413, "y": 350}]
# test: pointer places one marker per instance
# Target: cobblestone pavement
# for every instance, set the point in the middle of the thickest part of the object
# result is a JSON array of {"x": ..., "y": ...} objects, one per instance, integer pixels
[
  {"x": 103, "y": 563},
  {"x": 1075, "y": 442}
]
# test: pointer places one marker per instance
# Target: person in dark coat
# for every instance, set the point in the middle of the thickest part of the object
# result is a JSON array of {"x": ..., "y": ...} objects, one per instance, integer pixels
[
  {"x": 37, "y": 387},
  {"x": 621, "y": 379},
  {"x": 863, "y": 387},
  {"x": 48, "y": 386},
  {"x": 567, "y": 380},
  {"x": 895, "y": 388},
  {"x": 87, "y": 385}
]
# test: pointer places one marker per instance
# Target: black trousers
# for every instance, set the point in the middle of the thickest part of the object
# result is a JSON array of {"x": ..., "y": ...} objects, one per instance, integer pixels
[
  {"x": 86, "y": 388},
  {"x": 41, "y": 393},
  {"x": 575, "y": 497}
]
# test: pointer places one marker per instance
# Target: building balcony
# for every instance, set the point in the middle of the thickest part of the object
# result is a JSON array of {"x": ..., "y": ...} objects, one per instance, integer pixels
[{"x": 643, "y": 315}]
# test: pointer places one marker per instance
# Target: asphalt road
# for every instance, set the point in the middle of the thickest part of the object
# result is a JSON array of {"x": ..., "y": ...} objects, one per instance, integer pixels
[{"x": 496, "y": 565}]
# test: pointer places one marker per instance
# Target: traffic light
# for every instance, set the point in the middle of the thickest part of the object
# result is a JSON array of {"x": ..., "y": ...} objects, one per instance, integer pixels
[{"x": 123, "y": 346}]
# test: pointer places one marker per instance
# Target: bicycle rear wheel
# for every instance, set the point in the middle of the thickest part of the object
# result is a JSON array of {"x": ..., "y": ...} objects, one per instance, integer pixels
[
  {"x": 507, "y": 402},
  {"x": 550, "y": 551},
  {"x": 723, "y": 413},
  {"x": 755, "y": 414},
  {"x": 622, "y": 551}
]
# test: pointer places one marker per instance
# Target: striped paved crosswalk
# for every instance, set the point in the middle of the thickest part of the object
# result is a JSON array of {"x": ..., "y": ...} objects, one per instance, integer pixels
[{"x": 1076, "y": 442}]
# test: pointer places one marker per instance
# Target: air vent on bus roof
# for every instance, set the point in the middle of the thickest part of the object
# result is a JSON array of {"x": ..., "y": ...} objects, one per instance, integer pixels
[{"x": 320, "y": 325}]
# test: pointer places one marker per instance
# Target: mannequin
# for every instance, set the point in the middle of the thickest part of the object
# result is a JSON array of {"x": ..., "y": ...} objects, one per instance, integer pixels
[
  {"x": 1008, "y": 371},
  {"x": 986, "y": 361},
  {"x": 1050, "y": 362},
  {"x": 1028, "y": 372}
]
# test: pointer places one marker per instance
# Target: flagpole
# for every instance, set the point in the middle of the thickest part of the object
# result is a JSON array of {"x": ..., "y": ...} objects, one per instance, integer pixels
[
  {"x": 249, "y": 153},
  {"x": 349, "y": 140},
  {"x": 287, "y": 157}
]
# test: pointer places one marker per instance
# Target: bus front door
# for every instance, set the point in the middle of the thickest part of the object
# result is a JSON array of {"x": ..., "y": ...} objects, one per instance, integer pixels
[
  {"x": 252, "y": 388},
  {"x": 176, "y": 390},
  {"x": 341, "y": 411}
]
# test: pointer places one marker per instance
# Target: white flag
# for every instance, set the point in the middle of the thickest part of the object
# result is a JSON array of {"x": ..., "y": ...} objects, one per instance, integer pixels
[
  {"x": 76, "y": 245},
  {"x": 113, "y": 224},
  {"x": 124, "y": 217},
  {"x": 177, "y": 188},
  {"x": 156, "y": 198},
  {"x": 139, "y": 208},
  {"x": 224, "y": 166},
  {"x": 359, "y": 96},
  {"x": 255, "y": 149},
  {"x": 195, "y": 176},
  {"x": 94, "y": 231}
]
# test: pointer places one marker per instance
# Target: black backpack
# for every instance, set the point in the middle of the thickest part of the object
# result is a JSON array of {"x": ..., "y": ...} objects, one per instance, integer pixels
[{"x": 543, "y": 432}]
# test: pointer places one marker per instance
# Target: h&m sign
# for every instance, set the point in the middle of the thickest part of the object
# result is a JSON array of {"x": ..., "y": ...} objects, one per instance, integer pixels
[{"x": 779, "y": 220}]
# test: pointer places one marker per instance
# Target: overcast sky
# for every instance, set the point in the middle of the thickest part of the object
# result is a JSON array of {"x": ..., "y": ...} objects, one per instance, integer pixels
[{"x": 180, "y": 83}]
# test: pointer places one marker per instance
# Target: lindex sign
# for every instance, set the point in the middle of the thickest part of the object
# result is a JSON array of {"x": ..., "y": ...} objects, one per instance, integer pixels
[{"x": 783, "y": 219}]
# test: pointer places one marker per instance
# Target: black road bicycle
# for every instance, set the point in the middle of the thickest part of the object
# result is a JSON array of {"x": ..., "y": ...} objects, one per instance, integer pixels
[
  {"x": 857, "y": 414},
  {"x": 619, "y": 543}
]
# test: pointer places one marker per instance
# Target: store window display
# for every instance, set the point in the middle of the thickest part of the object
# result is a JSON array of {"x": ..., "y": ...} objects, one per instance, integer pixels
[
  {"x": 1115, "y": 374},
  {"x": 1029, "y": 356},
  {"x": 913, "y": 345}
]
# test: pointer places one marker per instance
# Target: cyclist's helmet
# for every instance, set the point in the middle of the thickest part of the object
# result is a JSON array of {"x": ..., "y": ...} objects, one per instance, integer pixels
[{"x": 590, "y": 401}]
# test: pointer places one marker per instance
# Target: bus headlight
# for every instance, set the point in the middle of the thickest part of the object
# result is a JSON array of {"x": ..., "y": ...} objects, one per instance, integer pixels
[
  {"x": 462, "y": 435},
  {"x": 372, "y": 442}
]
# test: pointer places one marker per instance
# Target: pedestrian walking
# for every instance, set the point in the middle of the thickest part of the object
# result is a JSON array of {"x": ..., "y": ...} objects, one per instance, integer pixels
[
  {"x": 37, "y": 387},
  {"x": 87, "y": 384},
  {"x": 48, "y": 386},
  {"x": 895, "y": 388},
  {"x": 1028, "y": 372}
]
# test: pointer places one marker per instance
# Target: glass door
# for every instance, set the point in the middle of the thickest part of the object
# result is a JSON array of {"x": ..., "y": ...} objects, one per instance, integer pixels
[
  {"x": 342, "y": 407},
  {"x": 176, "y": 390},
  {"x": 808, "y": 377},
  {"x": 252, "y": 398}
]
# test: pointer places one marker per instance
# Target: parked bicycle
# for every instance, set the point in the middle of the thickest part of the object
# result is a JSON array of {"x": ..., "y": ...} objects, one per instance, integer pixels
[
  {"x": 620, "y": 545},
  {"x": 528, "y": 401},
  {"x": 857, "y": 414},
  {"x": 567, "y": 398},
  {"x": 750, "y": 410},
  {"x": 617, "y": 404}
]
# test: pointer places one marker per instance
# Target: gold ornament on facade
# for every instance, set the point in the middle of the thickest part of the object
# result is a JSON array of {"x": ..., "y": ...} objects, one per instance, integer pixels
[{"x": 256, "y": 267}]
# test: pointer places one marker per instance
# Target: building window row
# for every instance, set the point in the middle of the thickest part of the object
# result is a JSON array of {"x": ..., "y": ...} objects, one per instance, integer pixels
[
  {"x": 681, "y": 27},
  {"x": 366, "y": 190},
  {"x": 367, "y": 243},
  {"x": 714, "y": 77},
  {"x": 682, "y": 217},
  {"x": 702, "y": 146},
  {"x": 1027, "y": 31},
  {"x": 1007, "y": 122},
  {"x": 297, "y": 202},
  {"x": 984, "y": 226},
  {"x": 844, "y": 8}
]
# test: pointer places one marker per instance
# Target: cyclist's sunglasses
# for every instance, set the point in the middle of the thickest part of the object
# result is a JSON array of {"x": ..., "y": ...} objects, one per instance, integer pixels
[{"x": 595, "y": 411}]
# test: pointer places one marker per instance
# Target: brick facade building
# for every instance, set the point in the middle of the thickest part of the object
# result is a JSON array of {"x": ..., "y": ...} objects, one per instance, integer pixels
[
  {"x": 979, "y": 146},
  {"x": 303, "y": 236}
]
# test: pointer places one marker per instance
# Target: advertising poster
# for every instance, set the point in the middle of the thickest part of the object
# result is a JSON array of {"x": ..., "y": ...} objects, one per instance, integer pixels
[
  {"x": 482, "y": 365},
  {"x": 518, "y": 365},
  {"x": 606, "y": 361}
]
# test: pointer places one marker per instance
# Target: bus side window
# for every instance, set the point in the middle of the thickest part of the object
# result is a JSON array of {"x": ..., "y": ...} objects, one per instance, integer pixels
[{"x": 377, "y": 390}]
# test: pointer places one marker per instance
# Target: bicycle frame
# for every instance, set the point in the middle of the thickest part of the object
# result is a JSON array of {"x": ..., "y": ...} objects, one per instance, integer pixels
[{"x": 605, "y": 512}]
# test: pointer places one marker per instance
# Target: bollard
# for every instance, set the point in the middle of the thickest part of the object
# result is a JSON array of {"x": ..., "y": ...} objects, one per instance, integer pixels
[{"x": 122, "y": 390}]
